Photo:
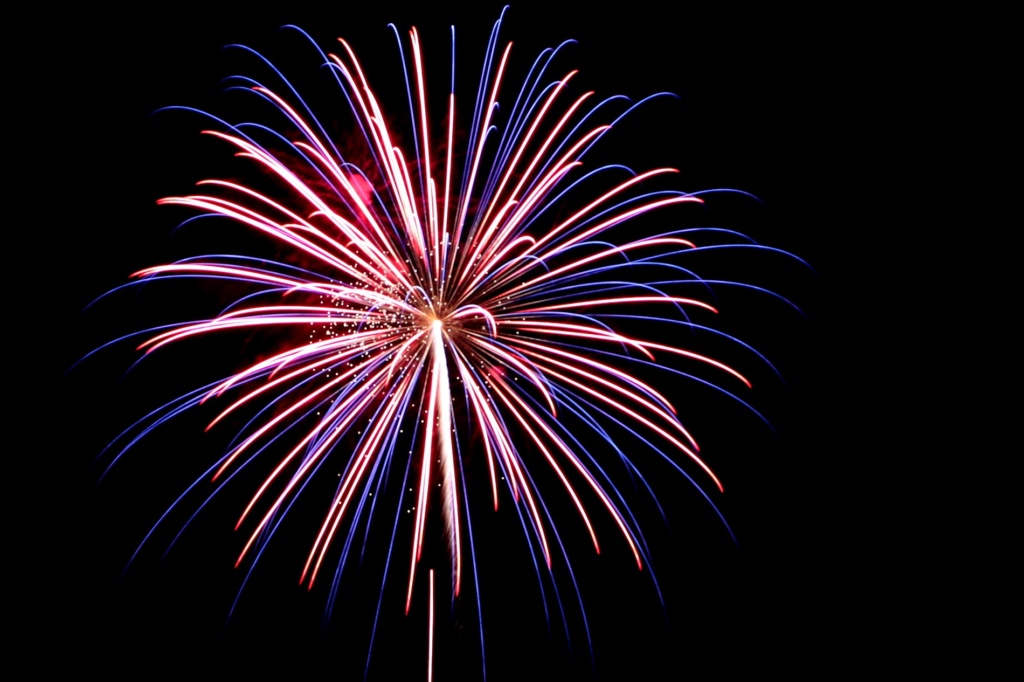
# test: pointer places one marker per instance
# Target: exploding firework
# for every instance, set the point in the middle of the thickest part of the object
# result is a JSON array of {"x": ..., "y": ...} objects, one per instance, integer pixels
[{"x": 461, "y": 306}]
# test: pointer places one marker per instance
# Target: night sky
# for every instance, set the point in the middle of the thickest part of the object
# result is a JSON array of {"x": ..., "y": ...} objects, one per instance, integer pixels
[{"x": 753, "y": 113}]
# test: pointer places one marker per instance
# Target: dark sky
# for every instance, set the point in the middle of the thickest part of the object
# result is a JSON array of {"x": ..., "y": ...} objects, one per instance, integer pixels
[{"x": 762, "y": 106}]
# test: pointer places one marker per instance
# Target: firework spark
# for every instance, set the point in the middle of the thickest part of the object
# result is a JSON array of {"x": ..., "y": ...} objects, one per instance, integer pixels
[{"x": 474, "y": 295}]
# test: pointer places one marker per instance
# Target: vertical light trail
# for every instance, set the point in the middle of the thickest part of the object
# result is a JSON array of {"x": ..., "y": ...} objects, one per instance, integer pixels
[
  {"x": 430, "y": 632},
  {"x": 439, "y": 427},
  {"x": 442, "y": 400}
]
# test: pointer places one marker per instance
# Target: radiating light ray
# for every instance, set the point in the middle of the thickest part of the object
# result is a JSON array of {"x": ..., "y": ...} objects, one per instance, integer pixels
[{"x": 429, "y": 303}]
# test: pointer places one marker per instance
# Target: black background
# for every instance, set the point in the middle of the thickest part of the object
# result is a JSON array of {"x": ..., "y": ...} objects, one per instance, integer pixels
[{"x": 767, "y": 104}]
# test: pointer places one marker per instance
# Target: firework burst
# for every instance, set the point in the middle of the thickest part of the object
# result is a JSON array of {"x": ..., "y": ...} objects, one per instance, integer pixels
[{"x": 452, "y": 287}]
